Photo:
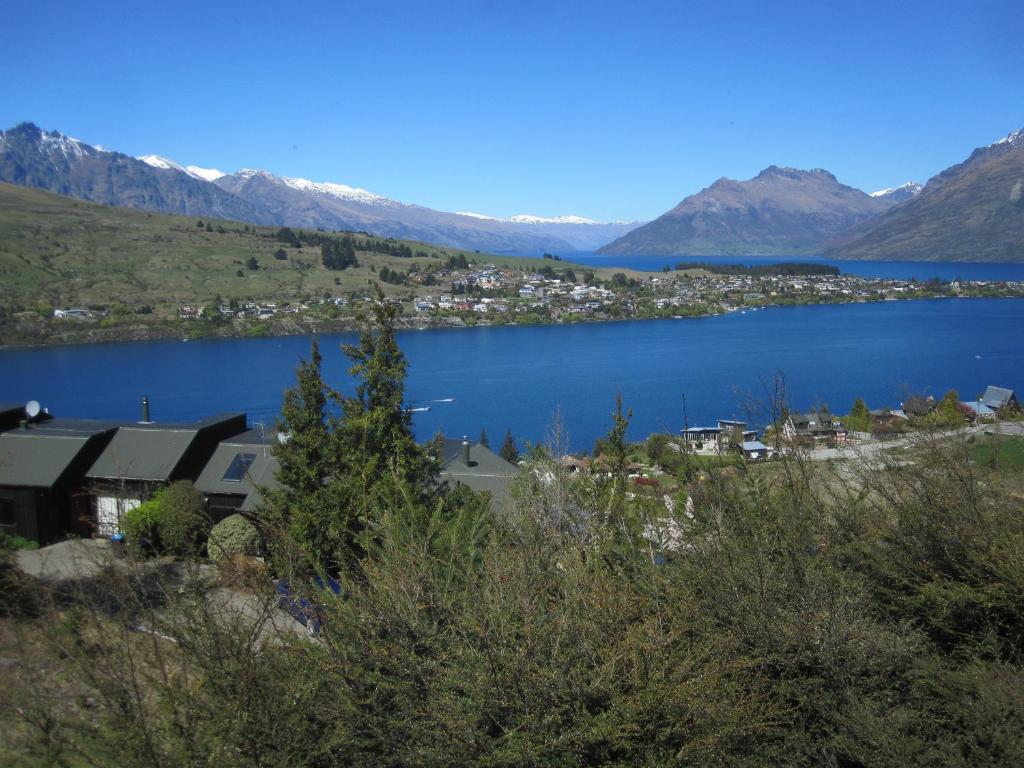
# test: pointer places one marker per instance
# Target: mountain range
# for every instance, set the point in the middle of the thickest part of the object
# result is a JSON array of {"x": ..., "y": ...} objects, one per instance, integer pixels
[
  {"x": 779, "y": 212},
  {"x": 972, "y": 211},
  {"x": 30, "y": 156}
]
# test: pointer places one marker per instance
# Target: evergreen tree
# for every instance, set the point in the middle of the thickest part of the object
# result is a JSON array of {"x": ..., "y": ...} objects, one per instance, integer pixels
[
  {"x": 483, "y": 438},
  {"x": 509, "y": 452},
  {"x": 380, "y": 454},
  {"x": 859, "y": 419}
]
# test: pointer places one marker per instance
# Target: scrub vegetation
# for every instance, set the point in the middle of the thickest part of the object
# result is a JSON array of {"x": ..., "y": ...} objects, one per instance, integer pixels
[{"x": 864, "y": 613}]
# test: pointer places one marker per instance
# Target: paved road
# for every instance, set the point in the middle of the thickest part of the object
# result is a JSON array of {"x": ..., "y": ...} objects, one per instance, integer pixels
[{"x": 73, "y": 564}]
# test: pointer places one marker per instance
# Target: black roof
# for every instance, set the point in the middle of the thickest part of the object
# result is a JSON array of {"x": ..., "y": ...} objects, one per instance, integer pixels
[
  {"x": 152, "y": 451},
  {"x": 240, "y": 466},
  {"x": 486, "y": 470},
  {"x": 39, "y": 455}
]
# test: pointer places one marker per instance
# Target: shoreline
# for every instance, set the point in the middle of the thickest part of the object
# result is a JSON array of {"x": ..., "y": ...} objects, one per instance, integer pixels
[{"x": 93, "y": 334}]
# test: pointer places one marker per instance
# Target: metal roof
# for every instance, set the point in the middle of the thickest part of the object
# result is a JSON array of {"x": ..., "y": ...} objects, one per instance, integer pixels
[
  {"x": 141, "y": 452},
  {"x": 996, "y": 397},
  {"x": 262, "y": 472},
  {"x": 152, "y": 451},
  {"x": 486, "y": 470},
  {"x": 34, "y": 459},
  {"x": 754, "y": 445}
]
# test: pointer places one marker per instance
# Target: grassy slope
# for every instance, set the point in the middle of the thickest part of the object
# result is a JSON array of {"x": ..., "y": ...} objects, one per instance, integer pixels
[{"x": 66, "y": 252}]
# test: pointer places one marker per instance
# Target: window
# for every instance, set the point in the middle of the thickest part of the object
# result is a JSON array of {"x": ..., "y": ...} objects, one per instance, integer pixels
[{"x": 239, "y": 467}]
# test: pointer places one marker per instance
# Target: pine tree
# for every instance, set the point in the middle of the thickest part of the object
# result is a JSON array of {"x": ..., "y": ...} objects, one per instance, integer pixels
[
  {"x": 375, "y": 434},
  {"x": 483, "y": 438},
  {"x": 509, "y": 452}
]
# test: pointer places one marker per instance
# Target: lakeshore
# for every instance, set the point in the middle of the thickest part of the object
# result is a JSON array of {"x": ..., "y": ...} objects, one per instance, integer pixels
[
  {"x": 519, "y": 376},
  {"x": 494, "y": 296}
]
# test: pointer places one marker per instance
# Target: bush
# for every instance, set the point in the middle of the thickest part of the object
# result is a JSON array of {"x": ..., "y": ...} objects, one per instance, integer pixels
[
  {"x": 173, "y": 521},
  {"x": 183, "y": 523},
  {"x": 141, "y": 526},
  {"x": 233, "y": 535}
]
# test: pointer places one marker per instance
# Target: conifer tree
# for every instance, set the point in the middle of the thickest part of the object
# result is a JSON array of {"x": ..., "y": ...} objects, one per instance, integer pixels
[
  {"x": 509, "y": 452},
  {"x": 483, "y": 438}
]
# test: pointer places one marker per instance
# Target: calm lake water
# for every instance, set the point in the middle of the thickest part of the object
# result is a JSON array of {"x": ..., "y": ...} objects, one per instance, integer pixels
[
  {"x": 894, "y": 270},
  {"x": 518, "y": 376}
]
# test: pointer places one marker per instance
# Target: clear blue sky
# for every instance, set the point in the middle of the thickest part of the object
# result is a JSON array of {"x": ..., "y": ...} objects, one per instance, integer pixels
[{"x": 610, "y": 110}]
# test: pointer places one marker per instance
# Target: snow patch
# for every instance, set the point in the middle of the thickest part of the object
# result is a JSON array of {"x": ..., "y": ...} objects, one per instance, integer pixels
[
  {"x": 913, "y": 186},
  {"x": 477, "y": 216},
  {"x": 340, "y": 191},
  {"x": 166, "y": 164},
  {"x": 207, "y": 174},
  {"x": 1013, "y": 138},
  {"x": 525, "y": 218}
]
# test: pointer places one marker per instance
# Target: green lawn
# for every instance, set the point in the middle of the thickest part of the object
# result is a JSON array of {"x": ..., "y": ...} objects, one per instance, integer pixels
[{"x": 999, "y": 452}]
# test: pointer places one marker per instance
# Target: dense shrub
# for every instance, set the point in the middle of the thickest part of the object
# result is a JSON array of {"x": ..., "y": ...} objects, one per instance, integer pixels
[
  {"x": 184, "y": 524},
  {"x": 173, "y": 521},
  {"x": 233, "y": 535},
  {"x": 141, "y": 526}
]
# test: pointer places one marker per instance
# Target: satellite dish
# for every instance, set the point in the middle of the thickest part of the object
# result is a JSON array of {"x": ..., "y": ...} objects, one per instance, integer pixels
[{"x": 32, "y": 408}]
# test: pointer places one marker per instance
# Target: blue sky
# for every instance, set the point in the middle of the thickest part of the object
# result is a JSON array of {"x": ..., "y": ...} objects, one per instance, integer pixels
[{"x": 613, "y": 110}]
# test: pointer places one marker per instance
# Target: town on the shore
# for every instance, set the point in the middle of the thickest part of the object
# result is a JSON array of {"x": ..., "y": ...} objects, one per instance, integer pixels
[{"x": 460, "y": 294}]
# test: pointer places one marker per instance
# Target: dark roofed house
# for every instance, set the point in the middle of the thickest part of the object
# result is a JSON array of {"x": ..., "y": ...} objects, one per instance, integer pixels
[
  {"x": 42, "y": 476},
  {"x": 477, "y": 467},
  {"x": 1000, "y": 398},
  {"x": 233, "y": 476},
  {"x": 146, "y": 456}
]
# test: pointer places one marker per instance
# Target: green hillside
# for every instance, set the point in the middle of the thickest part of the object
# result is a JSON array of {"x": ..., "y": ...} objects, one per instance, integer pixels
[{"x": 56, "y": 251}]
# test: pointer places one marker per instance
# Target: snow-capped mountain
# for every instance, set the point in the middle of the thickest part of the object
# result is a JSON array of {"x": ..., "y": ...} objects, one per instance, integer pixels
[
  {"x": 912, "y": 187},
  {"x": 582, "y": 233},
  {"x": 305, "y": 203},
  {"x": 1013, "y": 138},
  {"x": 898, "y": 194},
  {"x": 972, "y": 211},
  {"x": 206, "y": 174},
  {"x": 49, "y": 160}
]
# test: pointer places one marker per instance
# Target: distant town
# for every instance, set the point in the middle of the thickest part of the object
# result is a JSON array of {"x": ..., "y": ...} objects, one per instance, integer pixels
[{"x": 455, "y": 295}]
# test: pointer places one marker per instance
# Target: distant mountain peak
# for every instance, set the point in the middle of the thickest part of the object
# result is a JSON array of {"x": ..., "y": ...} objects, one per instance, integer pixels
[
  {"x": 1013, "y": 138},
  {"x": 342, "y": 191},
  {"x": 911, "y": 187},
  {"x": 527, "y": 218},
  {"x": 49, "y": 142},
  {"x": 783, "y": 171},
  {"x": 164, "y": 163}
]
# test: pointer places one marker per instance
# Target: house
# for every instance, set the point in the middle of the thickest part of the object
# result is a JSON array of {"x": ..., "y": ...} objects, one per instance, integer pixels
[
  {"x": 240, "y": 466},
  {"x": 42, "y": 475},
  {"x": 477, "y": 467},
  {"x": 754, "y": 450},
  {"x": 816, "y": 427},
  {"x": 143, "y": 457},
  {"x": 999, "y": 398},
  {"x": 699, "y": 437},
  {"x": 978, "y": 410},
  {"x": 731, "y": 433}
]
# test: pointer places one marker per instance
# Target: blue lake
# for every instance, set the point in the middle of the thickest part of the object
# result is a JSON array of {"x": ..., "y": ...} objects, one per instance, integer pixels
[
  {"x": 892, "y": 270},
  {"x": 518, "y": 376}
]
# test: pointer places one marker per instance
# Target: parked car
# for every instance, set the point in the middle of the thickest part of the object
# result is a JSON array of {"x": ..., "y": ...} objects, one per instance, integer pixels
[{"x": 308, "y": 611}]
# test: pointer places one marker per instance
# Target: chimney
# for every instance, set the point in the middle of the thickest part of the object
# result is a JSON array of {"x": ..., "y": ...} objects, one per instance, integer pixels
[
  {"x": 465, "y": 450},
  {"x": 145, "y": 410}
]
